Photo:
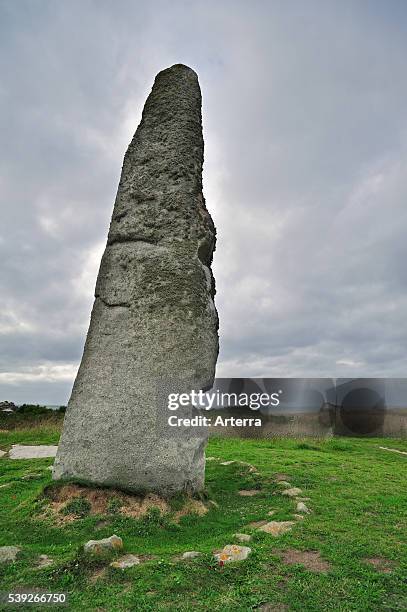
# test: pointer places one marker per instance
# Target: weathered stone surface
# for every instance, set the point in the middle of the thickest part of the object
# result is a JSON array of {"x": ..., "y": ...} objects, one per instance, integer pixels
[
  {"x": 153, "y": 327},
  {"x": 98, "y": 546},
  {"x": 191, "y": 554},
  {"x": 20, "y": 451},
  {"x": 257, "y": 524},
  {"x": 303, "y": 508},
  {"x": 2, "y": 453},
  {"x": 232, "y": 552},
  {"x": 126, "y": 561},
  {"x": 277, "y": 528},
  {"x": 292, "y": 492},
  {"x": 9, "y": 553}
]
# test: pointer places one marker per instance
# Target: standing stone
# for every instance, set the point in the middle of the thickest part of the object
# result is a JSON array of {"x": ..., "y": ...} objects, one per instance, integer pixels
[{"x": 153, "y": 327}]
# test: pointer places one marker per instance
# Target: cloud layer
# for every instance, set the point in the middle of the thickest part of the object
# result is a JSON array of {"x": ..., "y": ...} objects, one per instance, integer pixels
[{"x": 305, "y": 175}]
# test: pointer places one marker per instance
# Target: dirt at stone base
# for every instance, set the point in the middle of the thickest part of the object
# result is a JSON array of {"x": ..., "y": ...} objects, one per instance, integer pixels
[{"x": 108, "y": 501}]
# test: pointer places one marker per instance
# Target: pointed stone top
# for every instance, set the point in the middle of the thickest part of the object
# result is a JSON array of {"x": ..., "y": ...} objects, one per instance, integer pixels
[
  {"x": 178, "y": 68},
  {"x": 176, "y": 74}
]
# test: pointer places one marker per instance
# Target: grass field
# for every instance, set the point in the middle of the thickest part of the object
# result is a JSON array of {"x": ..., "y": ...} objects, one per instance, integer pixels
[{"x": 358, "y": 526}]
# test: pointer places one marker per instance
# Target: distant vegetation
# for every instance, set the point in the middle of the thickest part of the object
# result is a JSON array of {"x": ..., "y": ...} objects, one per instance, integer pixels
[{"x": 27, "y": 415}]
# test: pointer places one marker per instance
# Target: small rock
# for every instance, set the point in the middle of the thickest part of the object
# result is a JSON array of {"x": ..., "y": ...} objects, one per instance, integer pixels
[
  {"x": 252, "y": 468},
  {"x": 97, "y": 546},
  {"x": 242, "y": 537},
  {"x": 249, "y": 492},
  {"x": 210, "y": 459},
  {"x": 125, "y": 561},
  {"x": 191, "y": 554},
  {"x": 293, "y": 492},
  {"x": 227, "y": 462},
  {"x": 232, "y": 552},
  {"x": 301, "y": 507},
  {"x": 257, "y": 524},
  {"x": 20, "y": 451},
  {"x": 299, "y": 517},
  {"x": 393, "y": 450},
  {"x": 2, "y": 453},
  {"x": 9, "y": 553},
  {"x": 44, "y": 561},
  {"x": 271, "y": 512},
  {"x": 277, "y": 528}
]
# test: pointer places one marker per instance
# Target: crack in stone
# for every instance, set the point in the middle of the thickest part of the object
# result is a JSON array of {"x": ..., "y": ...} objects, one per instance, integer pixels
[
  {"x": 118, "y": 305},
  {"x": 127, "y": 239}
]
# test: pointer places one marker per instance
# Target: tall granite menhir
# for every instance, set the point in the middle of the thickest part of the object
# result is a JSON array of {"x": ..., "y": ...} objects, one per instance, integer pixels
[{"x": 154, "y": 327}]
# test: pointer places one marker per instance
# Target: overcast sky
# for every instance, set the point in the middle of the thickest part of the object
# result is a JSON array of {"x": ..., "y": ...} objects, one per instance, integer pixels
[{"x": 305, "y": 127}]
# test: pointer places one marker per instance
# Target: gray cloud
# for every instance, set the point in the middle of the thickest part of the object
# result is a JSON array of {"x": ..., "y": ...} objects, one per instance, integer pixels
[{"x": 305, "y": 175}]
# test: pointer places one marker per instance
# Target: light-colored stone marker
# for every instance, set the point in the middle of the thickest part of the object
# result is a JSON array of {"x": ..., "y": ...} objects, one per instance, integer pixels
[
  {"x": 98, "y": 546},
  {"x": 393, "y": 450},
  {"x": 242, "y": 537},
  {"x": 154, "y": 326},
  {"x": 191, "y": 554},
  {"x": 301, "y": 507},
  {"x": 277, "y": 528},
  {"x": 257, "y": 524},
  {"x": 293, "y": 492},
  {"x": 20, "y": 451},
  {"x": 8, "y": 554},
  {"x": 126, "y": 561},
  {"x": 232, "y": 552}
]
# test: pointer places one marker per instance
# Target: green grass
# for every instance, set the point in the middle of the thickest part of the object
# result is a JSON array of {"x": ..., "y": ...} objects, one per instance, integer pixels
[{"x": 357, "y": 493}]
